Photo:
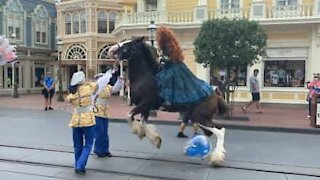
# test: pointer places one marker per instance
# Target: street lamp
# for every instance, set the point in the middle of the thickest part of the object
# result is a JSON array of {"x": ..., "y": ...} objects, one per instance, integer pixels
[
  {"x": 152, "y": 34},
  {"x": 59, "y": 45},
  {"x": 14, "y": 86}
]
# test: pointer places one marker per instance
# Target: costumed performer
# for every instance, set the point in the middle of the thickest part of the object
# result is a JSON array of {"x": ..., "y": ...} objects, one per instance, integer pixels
[
  {"x": 101, "y": 145},
  {"x": 83, "y": 118},
  {"x": 177, "y": 84}
]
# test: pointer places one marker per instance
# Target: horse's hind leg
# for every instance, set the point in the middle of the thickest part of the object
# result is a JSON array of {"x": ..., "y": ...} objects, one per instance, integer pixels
[{"x": 218, "y": 154}]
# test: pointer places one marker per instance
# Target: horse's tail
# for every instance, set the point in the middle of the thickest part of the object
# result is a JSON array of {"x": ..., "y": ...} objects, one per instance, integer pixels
[{"x": 223, "y": 107}]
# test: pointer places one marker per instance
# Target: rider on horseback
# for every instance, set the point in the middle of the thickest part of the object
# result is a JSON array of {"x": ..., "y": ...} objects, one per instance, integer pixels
[{"x": 177, "y": 84}]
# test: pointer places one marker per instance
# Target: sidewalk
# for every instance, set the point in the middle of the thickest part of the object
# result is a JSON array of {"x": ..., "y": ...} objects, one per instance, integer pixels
[{"x": 275, "y": 116}]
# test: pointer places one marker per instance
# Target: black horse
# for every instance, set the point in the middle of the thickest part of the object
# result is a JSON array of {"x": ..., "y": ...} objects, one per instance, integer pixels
[{"x": 143, "y": 66}]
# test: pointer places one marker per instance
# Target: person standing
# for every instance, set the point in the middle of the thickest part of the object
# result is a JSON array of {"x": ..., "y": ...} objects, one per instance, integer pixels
[
  {"x": 48, "y": 91},
  {"x": 314, "y": 87},
  {"x": 101, "y": 144},
  {"x": 82, "y": 120},
  {"x": 185, "y": 121},
  {"x": 255, "y": 92}
]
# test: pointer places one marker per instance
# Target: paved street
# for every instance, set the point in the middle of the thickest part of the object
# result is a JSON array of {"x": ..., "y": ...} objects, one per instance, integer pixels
[
  {"x": 281, "y": 116},
  {"x": 35, "y": 144}
]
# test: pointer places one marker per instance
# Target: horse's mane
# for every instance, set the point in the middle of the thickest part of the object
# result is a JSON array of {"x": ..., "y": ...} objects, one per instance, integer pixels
[{"x": 151, "y": 55}]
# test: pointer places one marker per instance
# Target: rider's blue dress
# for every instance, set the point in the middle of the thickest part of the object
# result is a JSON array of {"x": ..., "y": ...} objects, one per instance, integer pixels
[{"x": 179, "y": 86}]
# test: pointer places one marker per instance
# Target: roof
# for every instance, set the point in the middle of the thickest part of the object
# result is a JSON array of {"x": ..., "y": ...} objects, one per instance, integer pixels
[{"x": 30, "y": 5}]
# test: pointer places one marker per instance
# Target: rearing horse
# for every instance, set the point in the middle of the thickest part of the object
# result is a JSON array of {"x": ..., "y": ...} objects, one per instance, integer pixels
[{"x": 143, "y": 68}]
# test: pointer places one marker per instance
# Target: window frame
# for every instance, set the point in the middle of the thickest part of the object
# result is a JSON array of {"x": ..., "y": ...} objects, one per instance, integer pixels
[
  {"x": 304, "y": 70},
  {"x": 68, "y": 24},
  {"x": 41, "y": 25}
]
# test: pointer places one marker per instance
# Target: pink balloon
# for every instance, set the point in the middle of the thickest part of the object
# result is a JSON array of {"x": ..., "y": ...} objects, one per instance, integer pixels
[{"x": 10, "y": 57}]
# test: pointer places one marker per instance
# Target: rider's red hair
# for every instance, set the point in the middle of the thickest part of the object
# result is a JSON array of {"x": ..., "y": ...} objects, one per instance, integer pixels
[{"x": 167, "y": 40}]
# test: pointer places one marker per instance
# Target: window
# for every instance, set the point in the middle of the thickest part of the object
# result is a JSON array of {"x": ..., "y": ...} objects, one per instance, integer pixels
[
  {"x": 9, "y": 77},
  {"x": 68, "y": 24},
  {"x": 228, "y": 6},
  {"x": 112, "y": 20},
  {"x": 77, "y": 51},
  {"x": 75, "y": 20},
  {"x": 13, "y": 24},
  {"x": 41, "y": 31},
  {"x": 151, "y": 5},
  {"x": 280, "y": 3},
  {"x": 39, "y": 76},
  {"x": 83, "y": 23},
  {"x": 238, "y": 76},
  {"x": 14, "y": 20},
  {"x": 102, "y": 22},
  {"x": 284, "y": 73},
  {"x": 41, "y": 24}
]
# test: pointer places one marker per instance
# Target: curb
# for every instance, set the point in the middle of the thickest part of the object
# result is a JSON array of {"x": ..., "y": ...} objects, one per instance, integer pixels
[{"x": 237, "y": 127}]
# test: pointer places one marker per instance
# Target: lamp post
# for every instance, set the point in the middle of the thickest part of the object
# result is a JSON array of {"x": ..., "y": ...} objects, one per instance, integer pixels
[
  {"x": 59, "y": 45},
  {"x": 14, "y": 86},
  {"x": 152, "y": 34}
]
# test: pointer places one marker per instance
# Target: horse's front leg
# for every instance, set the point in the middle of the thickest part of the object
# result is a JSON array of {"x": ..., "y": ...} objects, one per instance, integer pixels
[
  {"x": 216, "y": 158},
  {"x": 151, "y": 130},
  {"x": 137, "y": 127}
]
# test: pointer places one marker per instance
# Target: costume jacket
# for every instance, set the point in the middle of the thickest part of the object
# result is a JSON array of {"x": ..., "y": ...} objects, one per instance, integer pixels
[
  {"x": 101, "y": 102},
  {"x": 83, "y": 115}
]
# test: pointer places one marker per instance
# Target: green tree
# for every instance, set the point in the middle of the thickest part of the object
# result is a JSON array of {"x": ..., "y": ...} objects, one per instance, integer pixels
[{"x": 226, "y": 44}]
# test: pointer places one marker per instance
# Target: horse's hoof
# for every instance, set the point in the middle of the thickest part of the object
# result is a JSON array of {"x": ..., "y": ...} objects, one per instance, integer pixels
[
  {"x": 134, "y": 127},
  {"x": 216, "y": 158},
  {"x": 141, "y": 132},
  {"x": 158, "y": 142}
]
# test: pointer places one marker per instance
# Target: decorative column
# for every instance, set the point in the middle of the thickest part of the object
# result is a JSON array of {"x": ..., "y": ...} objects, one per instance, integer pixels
[
  {"x": 313, "y": 62},
  {"x": 141, "y": 6}
]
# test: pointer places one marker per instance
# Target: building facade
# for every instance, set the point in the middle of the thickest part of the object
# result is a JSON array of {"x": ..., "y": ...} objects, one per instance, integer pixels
[
  {"x": 31, "y": 26},
  {"x": 85, "y": 29},
  {"x": 88, "y": 28},
  {"x": 293, "y": 46}
]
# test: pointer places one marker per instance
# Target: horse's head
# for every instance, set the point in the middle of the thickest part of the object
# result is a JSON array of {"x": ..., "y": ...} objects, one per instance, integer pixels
[
  {"x": 138, "y": 54},
  {"x": 125, "y": 49}
]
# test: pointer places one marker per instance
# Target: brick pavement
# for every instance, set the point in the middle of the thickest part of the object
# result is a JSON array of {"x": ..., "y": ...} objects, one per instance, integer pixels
[{"x": 275, "y": 115}]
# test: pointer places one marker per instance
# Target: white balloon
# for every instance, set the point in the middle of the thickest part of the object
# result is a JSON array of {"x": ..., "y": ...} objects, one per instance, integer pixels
[{"x": 8, "y": 49}]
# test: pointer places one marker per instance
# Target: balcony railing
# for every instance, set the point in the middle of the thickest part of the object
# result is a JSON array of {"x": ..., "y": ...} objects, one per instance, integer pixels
[{"x": 202, "y": 13}]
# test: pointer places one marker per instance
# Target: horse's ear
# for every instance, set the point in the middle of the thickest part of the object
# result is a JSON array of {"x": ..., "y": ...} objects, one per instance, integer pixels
[{"x": 140, "y": 39}]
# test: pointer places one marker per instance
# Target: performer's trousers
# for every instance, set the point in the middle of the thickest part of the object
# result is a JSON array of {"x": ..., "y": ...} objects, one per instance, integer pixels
[
  {"x": 82, "y": 142},
  {"x": 101, "y": 144}
]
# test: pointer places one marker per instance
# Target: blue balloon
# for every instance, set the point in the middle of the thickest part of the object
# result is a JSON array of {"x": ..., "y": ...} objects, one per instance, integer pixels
[{"x": 198, "y": 146}]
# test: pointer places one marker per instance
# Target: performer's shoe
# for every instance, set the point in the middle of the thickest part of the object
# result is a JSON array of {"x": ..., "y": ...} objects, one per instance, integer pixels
[
  {"x": 80, "y": 171},
  {"x": 45, "y": 109},
  {"x": 50, "y": 108},
  {"x": 181, "y": 135},
  {"x": 105, "y": 155}
]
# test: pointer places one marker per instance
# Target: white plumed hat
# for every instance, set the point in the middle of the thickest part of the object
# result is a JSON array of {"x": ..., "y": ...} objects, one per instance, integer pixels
[{"x": 78, "y": 78}]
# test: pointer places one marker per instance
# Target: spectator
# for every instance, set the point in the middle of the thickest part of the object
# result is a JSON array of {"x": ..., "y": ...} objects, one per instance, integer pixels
[
  {"x": 185, "y": 121},
  {"x": 314, "y": 87},
  {"x": 48, "y": 91},
  {"x": 255, "y": 92}
]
